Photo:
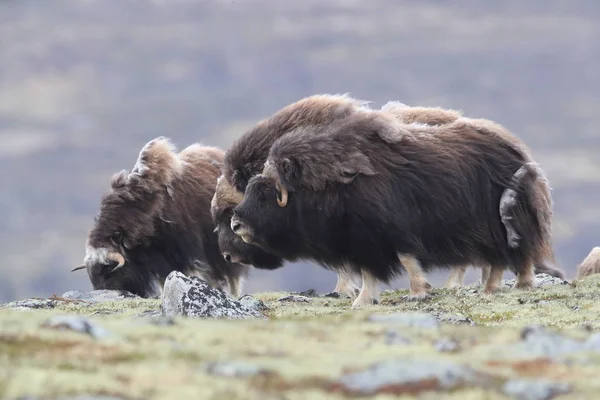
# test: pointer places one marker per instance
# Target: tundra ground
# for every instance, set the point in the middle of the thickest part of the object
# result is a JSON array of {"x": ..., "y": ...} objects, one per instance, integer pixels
[{"x": 304, "y": 349}]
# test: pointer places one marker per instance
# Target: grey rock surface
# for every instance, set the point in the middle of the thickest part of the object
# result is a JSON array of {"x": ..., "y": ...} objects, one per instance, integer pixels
[
  {"x": 294, "y": 299},
  {"x": 78, "y": 324},
  {"x": 540, "y": 342},
  {"x": 446, "y": 345},
  {"x": 540, "y": 279},
  {"x": 233, "y": 369},
  {"x": 394, "y": 338},
  {"x": 307, "y": 293},
  {"x": 193, "y": 297},
  {"x": 29, "y": 304},
  {"x": 409, "y": 319},
  {"x": 97, "y": 296},
  {"x": 253, "y": 303},
  {"x": 534, "y": 389},
  {"x": 404, "y": 376}
]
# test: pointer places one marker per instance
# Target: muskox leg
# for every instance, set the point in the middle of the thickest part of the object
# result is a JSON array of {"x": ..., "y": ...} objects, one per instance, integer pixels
[
  {"x": 525, "y": 276},
  {"x": 485, "y": 274},
  {"x": 369, "y": 293},
  {"x": 235, "y": 286},
  {"x": 494, "y": 280},
  {"x": 419, "y": 287},
  {"x": 346, "y": 283},
  {"x": 456, "y": 277}
]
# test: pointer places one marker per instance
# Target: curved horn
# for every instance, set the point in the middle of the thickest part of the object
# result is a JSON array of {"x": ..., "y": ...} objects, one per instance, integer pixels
[
  {"x": 284, "y": 195},
  {"x": 82, "y": 266},
  {"x": 117, "y": 257}
]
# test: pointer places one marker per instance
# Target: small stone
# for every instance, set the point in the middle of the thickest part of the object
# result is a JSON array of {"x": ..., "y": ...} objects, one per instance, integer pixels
[
  {"x": 233, "y": 369},
  {"x": 253, "y": 303},
  {"x": 407, "y": 376},
  {"x": 534, "y": 389},
  {"x": 394, "y": 338},
  {"x": 149, "y": 314},
  {"x": 78, "y": 324},
  {"x": 333, "y": 295},
  {"x": 193, "y": 297},
  {"x": 307, "y": 293},
  {"x": 456, "y": 319},
  {"x": 447, "y": 345},
  {"x": 409, "y": 319},
  {"x": 98, "y": 296},
  {"x": 295, "y": 299},
  {"x": 576, "y": 308}
]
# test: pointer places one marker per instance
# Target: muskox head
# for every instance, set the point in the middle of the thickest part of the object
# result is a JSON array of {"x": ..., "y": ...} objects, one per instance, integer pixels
[
  {"x": 233, "y": 248},
  {"x": 125, "y": 224}
]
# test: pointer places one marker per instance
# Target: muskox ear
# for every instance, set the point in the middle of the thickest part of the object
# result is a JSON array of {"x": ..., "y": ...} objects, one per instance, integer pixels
[
  {"x": 157, "y": 165},
  {"x": 356, "y": 164},
  {"x": 290, "y": 170}
]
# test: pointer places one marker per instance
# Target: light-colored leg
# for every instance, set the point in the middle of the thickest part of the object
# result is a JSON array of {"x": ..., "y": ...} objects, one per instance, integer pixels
[
  {"x": 346, "y": 283},
  {"x": 456, "y": 277},
  {"x": 495, "y": 279},
  {"x": 485, "y": 274},
  {"x": 419, "y": 287},
  {"x": 369, "y": 293},
  {"x": 526, "y": 280},
  {"x": 235, "y": 286}
]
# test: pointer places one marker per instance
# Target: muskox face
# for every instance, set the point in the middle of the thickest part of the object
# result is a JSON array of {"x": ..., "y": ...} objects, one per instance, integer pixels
[
  {"x": 260, "y": 219},
  {"x": 233, "y": 248}
]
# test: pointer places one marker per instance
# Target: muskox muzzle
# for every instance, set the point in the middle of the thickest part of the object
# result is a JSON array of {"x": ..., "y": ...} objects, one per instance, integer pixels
[{"x": 241, "y": 229}]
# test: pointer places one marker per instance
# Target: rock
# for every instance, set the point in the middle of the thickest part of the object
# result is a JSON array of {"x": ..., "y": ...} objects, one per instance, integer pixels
[
  {"x": 80, "y": 397},
  {"x": 193, "y": 297},
  {"x": 253, "y": 303},
  {"x": 394, "y": 338},
  {"x": 539, "y": 342},
  {"x": 534, "y": 389},
  {"x": 334, "y": 295},
  {"x": 294, "y": 299},
  {"x": 234, "y": 369},
  {"x": 98, "y": 296},
  {"x": 410, "y": 319},
  {"x": 540, "y": 279},
  {"x": 156, "y": 317},
  {"x": 78, "y": 324},
  {"x": 456, "y": 319},
  {"x": 593, "y": 343},
  {"x": 408, "y": 377},
  {"x": 446, "y": 345},
  {"x": 31, "y": 304},
  {"x": 307, "y": 293}
]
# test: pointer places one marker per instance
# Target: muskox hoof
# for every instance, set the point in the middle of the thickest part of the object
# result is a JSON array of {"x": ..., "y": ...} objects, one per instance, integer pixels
[
  {"x": 526, "y": 285},
  {"x": 417, "y": 296},
  {"x": 491, "y": 290},
  {"x": 361, "y": 302}
]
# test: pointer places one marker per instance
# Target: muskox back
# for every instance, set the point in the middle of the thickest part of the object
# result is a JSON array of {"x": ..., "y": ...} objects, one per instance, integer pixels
[{"x": 156, "y": 219}]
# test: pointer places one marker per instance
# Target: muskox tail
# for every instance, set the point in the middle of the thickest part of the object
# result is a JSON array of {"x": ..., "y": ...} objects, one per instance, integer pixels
[{"x": 526, "y": 212}]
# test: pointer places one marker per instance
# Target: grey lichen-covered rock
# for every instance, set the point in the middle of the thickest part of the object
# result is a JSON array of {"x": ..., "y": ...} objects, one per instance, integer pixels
[
  {"x": 233, "y": 369},
  {"x": 294, "y": 299},
  {"x": 540, "y": 342},
  {"x": 457, "y": 319},
  {"x": 29, "y": 304},
  {"x": 409, "y": 319},
  {"x": 540, "y": 279},
  {"x": 446, "y": 345},
  {"x": 253, "y": 303},
  {"x": 78, "y": 324},
  {"x": 98, "y": 296},
  {"x": 193, "y": 297},
  {"x": 394, "y": 338},
  {"x": 534, "y": 389},
  {"x": 307, "y": 293},
  {"x": 408, "y": 376}
]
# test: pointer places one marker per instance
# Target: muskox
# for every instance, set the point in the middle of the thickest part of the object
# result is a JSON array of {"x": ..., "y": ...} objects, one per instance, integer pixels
[
  {"x": 590, "y": 265},
  {"x": 247, "y": 155},
  {"x": 375, "y": 195},
  {"x": 156, "y": 219}
]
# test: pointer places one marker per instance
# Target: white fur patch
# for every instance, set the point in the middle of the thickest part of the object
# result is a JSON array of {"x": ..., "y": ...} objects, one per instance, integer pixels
[{"x": 95, "y": 256}]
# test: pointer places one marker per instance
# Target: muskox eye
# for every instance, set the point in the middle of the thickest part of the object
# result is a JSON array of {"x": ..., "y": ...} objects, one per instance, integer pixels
[{"x": 117, "y": 236}]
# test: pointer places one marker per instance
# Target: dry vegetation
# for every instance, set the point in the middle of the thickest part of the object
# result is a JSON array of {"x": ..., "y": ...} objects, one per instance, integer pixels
[{"x": 301, "y": 350}]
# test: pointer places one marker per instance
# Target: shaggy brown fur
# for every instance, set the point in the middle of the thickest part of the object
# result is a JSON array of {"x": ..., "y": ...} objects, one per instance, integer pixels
[
  {"x": 590, "y": 265},
  {"x": 371, "y": 191},
  {"x": 156, "y": 219}
]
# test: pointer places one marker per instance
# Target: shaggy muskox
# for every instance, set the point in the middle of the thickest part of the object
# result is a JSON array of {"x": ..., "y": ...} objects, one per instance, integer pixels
[
  {"x": 247, "y": 155},
  {"x": 373, "y": 195},
  {"x": 156, "y": 219},
  {"x": 590, "y": 265}
]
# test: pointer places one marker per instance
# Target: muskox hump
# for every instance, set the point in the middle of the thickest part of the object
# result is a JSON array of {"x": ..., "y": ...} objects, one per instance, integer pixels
[{"x": 590, "y": 265}]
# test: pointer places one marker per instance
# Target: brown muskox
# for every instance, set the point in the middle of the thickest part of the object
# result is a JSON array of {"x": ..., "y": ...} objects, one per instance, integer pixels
[
  {"x": 590, "y": 265},
  {"x": 374, "y": 195},
  {"x": 247, "y": 155},
  {"x": 156, "y": 219}
]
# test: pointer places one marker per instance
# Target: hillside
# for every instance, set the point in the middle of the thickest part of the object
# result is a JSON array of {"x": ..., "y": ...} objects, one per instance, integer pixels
[
  {"x": 458, "y": 345},
  {"x": 84, "y": 85}
]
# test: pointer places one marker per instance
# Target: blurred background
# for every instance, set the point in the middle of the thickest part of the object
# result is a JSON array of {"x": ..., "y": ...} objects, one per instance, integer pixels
[{"x": 85, "y": 84}]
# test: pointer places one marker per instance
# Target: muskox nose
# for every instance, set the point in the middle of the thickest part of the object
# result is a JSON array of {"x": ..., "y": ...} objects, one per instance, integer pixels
[
  {"x": 227, "y": 257},
  {"x": 235, "y": 224}
]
